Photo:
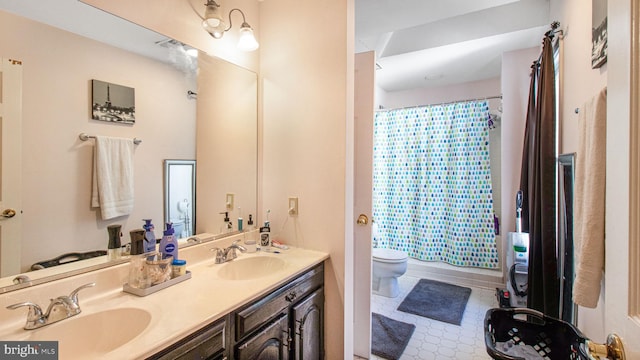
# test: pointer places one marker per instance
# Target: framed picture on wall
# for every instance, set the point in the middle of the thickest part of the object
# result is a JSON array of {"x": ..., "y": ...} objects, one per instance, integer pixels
[
  {"x": 598, "y": 33},
  {"x": 112, "y": 102}
]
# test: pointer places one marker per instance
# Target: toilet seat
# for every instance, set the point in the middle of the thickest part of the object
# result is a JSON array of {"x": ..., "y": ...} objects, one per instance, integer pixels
[{"x": 389, "y": 255}]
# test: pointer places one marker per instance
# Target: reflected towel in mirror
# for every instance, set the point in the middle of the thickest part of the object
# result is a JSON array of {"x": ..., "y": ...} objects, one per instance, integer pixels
[{"x": 112, "y": 187}]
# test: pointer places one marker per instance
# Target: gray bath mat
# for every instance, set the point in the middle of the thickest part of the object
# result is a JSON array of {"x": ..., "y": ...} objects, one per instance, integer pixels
[
  {"x": 437, "y": 300},
  {"x": 389, "y": 337}
]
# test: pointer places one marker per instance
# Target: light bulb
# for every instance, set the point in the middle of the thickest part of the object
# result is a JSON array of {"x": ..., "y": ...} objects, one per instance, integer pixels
[
  {"x": 247, "y": 42},
  {"x": 217, "y": 32},
  {"x": 192, "y": 52}
]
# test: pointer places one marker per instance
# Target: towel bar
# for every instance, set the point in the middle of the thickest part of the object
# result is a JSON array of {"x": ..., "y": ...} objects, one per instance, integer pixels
[{"x": 85, "y": 137}]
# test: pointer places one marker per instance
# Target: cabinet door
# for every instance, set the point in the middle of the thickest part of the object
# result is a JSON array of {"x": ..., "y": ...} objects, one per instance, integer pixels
[
  {"x": 308, "y": 317},
  {"x": 270, "y": 343},
  {"x": 207, "y": 343}
]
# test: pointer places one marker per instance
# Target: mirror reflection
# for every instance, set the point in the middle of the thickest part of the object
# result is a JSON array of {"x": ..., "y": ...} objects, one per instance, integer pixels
[
  {"x": 55, "y": 215},
  {"x": 180, "y": 196}
]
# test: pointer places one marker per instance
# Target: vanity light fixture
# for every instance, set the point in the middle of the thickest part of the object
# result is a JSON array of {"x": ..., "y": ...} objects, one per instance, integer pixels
[{"x": 216, "y": 27}]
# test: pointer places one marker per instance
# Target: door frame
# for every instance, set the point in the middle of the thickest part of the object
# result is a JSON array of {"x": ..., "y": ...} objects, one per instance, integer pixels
[
  {"x": 11, "y": 153},
  {"x": 364, "y": 100},
  {"x": 622, "y": 247}
]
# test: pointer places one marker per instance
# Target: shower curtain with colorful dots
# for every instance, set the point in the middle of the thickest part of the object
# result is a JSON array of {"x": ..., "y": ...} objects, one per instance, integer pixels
[{"x": 432, "y": 183}]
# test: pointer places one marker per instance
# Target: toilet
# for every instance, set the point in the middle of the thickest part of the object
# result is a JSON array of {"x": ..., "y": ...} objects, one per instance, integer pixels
[{"x": 388, "y": 265}]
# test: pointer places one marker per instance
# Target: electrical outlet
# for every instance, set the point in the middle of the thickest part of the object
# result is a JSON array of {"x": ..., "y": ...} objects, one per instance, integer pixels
[
  {"x": 229, "y": 201},
  {"x": 293, "y": 206}
]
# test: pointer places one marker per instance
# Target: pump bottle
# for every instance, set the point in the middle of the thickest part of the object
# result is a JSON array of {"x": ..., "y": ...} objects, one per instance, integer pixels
[
  {"x": 228, "y": 225},
  {"x": 169, "y": 244},
  {"x": 149, "y": 236}
]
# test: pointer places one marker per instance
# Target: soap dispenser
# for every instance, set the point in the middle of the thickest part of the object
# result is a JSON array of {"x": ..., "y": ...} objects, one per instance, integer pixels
[
  {"x": 149, "y": 236},
  {"x": 227, "y": 226},
  {"x": 137, "y": 241},
  {"x": 169, "y": 244},
  {"x": 249, "y": 236},
  {"x": 113, "y": 248},
  {"x": 250, "y": 223}
]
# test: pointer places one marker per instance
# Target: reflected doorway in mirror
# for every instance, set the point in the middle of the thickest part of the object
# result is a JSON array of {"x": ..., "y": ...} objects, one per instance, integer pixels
[{"x": 180, "y": 192}]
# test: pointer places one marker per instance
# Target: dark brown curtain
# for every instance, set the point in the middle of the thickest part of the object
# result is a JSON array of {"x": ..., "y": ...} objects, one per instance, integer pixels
[{"x": 538, "y": 184}]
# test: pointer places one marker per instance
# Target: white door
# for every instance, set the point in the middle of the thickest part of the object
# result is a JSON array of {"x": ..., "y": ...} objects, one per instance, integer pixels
[
  {"x": 622, "y": 263},
  {"x": 363, "y": 113},
  {"x": 10, "y": 165}
]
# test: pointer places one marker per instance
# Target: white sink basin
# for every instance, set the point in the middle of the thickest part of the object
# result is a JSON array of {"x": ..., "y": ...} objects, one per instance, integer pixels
[
  {"x": 88, "y": 336},
  {"x": 250, "y": 268}
]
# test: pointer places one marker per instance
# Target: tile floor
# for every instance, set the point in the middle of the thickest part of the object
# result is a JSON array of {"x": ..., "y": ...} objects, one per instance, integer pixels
[{"x": 437, "y": 340}]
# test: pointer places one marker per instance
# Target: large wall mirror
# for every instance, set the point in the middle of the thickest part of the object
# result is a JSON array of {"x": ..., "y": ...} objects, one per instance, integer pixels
[{"x": 58, "y": 66}]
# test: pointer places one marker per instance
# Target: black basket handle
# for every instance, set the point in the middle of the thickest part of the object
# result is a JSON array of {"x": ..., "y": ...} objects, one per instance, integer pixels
[
  {"x": 530, "y": 312},
  {"x": 488, "y": 335}
]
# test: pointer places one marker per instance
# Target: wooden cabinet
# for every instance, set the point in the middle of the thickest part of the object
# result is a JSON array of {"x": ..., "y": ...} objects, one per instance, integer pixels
[
  {"x": 286, "y": 324},
  {"x": 299, "y": 307}
]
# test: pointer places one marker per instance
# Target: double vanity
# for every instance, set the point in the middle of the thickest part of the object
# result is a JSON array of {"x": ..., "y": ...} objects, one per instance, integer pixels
[{"x": 262, "y": 303}]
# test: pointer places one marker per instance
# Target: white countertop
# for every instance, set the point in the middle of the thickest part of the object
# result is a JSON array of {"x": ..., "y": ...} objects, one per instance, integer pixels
[{"x": 175, "y": 311}]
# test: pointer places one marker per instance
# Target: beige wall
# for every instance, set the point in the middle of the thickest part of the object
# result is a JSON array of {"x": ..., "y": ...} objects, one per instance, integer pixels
[
  {"x": 304, "y": 79},
  {"x": 57, "y": 70}
]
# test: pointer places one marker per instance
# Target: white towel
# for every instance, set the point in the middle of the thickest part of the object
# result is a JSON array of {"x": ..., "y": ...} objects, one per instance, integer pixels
[
  {"x": 112, "y": 188},
  {"x": 589, "y": 200}
]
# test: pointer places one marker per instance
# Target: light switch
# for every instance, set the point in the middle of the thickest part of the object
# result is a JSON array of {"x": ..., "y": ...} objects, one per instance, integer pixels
[
  {"x": 293, "y": 206},
  {"x": 229, "y": 201}
]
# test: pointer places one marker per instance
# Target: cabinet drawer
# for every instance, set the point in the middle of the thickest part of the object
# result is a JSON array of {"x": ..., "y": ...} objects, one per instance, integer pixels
[
  {"x": 258, "y": 313},
  {"x": 271, "y": 342},
  {"x": 202, "y": 344}
]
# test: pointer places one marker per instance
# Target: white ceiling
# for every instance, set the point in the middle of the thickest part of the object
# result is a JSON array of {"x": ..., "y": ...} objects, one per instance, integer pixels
[
  {"x": 429, "y": 43},
  {"x": 418, "y": 43}
]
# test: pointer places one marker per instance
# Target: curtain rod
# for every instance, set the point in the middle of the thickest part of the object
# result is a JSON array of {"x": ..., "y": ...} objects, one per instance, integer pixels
[
  {"x": 445, "y": 103},
  {"x": 554, "y": 40}
]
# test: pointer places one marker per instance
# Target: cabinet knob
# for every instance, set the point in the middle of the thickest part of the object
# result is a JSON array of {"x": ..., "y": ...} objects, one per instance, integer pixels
[{"x": 291, "y": 296}]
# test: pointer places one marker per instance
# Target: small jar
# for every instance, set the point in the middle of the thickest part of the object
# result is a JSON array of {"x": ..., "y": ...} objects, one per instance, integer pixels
[{"x": 179, "y": 267}]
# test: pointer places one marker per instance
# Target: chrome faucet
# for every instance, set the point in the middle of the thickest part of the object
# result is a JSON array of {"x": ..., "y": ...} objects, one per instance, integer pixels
[
  {"x": 228, "y": 253},
  {"x": 60, "y": 308}
]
